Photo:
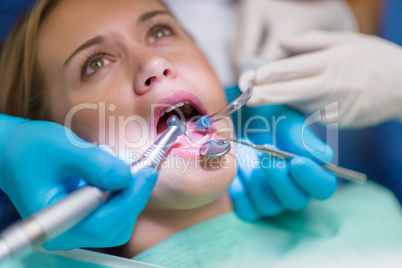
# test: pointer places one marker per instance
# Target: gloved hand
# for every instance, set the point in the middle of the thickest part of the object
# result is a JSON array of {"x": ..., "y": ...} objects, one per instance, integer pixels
[
  {"x": 39, "y": 165},
  {"x": 360, "y": 72},
  {"x": 263, "y": 23},
  {"x": 276, "y": 185}
]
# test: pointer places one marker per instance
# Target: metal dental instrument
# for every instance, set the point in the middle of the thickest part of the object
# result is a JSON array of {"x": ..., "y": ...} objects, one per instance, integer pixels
[
  {"x": 250, "y": 63},
  {"x": 218, "y": 148},
  {"x": 61, "y": 216},
  {"x": 207, "y": 120},
  {"x": 154, "y": 155}
]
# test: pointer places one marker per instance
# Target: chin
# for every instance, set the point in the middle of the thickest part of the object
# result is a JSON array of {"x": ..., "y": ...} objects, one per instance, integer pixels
[{"x": 201, "y": 182}]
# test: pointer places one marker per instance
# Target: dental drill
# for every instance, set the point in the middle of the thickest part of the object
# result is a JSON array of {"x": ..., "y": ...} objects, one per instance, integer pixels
[{"x": 63, "y": 215}]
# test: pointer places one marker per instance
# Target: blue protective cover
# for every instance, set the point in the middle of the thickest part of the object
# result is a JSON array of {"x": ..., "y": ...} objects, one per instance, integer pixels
[
  {"x": 10, "y": 11},
  {"x": 358, "y": 227}
]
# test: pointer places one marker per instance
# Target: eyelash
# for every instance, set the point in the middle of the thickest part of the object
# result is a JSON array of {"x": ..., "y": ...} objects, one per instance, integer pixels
[
  {"x": 92, "y": 56},
  {"x": 159, "y": 25}
]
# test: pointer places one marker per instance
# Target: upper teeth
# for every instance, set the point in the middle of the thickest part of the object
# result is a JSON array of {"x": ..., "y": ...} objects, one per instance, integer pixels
[{"x": 173, "y": 107}]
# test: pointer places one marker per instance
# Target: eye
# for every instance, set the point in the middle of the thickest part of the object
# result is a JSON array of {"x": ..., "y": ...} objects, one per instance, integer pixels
[
  {"x": 159, "y": 32},
  {"x": 96, "y": 65}
]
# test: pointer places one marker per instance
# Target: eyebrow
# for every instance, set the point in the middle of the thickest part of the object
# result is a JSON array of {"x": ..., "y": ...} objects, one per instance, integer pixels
[
  {"x": 91, "y": 42},
  {"x": 149, "y": 15},
  {"x": 100, "y": 39}
]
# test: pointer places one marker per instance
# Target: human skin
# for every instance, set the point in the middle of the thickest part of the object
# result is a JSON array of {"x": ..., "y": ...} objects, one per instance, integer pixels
[
  {"x": 141, "y": 57},
  {"x": 368, "y": 15}
]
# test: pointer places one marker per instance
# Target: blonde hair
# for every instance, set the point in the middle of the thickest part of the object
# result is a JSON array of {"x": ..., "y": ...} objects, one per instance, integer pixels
[{"x": 21, "y": 89}]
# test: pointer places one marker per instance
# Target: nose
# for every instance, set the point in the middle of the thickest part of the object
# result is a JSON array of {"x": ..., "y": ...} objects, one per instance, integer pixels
[{"x": 153, "y": 69}]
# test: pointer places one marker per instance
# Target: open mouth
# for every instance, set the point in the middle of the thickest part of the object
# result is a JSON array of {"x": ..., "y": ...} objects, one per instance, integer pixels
[
  {"x": 184, "y": 110},
  {"x": 188, "y": 108}
]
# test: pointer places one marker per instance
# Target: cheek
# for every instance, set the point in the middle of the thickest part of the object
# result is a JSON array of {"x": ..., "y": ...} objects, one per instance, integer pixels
[
  {"x": 121, "y": 131},
  {"x": 57, "y": 100},
  {"x": 104, "y": 113},
  {"x": 85, "y": 123},
  {"x": 203, "y": 78},
  {"x": 129, "y": 133}
]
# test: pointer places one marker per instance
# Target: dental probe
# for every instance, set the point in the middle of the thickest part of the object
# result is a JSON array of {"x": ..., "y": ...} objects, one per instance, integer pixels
[
  {"x": 218, "y": 148},
  {"x": 61, "y": 216}
]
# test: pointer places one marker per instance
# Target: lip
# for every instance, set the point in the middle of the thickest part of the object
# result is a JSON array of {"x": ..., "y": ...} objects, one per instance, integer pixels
[{"x": 180, "y": 149}]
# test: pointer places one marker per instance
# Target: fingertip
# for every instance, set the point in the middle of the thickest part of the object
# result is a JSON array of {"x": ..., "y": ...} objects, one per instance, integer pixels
[
  {"x": 106, "y": 171},
  {"x": 289, "y": 40},
  {"x": 137, "y": 194},
  {"x": 106, "y": 148},
  {"x": 116, "y": 178},
  {"x": 328, "y": 156},
  {"x": 242, "y": 206},
  {"x": 307, "y": 41},
  {"x": 320, "y": 150},
  {"x": 317, "y": 182},
  {"x": 299, "y": 163},
  {"x": 245, "y": 79},
  {"x": 323, "y": 155},
  {"x": 49, "y": 246},
  {"x": 301, "y": 166},
  {"x": 123, "y": 237},
  {"x": 150, "y": 175},
  {"x": 59, "y": 243}
]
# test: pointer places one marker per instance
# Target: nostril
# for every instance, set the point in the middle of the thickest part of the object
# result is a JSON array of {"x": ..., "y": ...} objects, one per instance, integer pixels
[{"x": 148, "y": 82}]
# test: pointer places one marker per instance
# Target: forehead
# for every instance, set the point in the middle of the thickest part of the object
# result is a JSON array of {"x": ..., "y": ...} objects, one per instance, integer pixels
[
  {"x": 80, "y": 19},
  {"x": 71, "y": 9}
]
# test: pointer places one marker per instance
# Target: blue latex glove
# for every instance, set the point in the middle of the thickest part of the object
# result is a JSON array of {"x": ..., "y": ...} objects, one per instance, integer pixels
[
  {"x": 39, "y": 165},
  {"x": 268, "y": 190}
]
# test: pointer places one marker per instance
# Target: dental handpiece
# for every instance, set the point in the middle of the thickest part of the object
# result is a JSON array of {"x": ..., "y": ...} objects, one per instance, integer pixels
[{"x": 63, "y": 215}]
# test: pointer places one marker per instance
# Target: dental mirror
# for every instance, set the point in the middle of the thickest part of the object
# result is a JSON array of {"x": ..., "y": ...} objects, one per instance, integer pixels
[
  {"x": 215, "y": 148},
  {"x": 218, "y": 148}
]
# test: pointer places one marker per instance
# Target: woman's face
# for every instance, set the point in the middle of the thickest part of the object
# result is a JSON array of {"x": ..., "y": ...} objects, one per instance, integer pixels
[{"x": 114, "y": 68}]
